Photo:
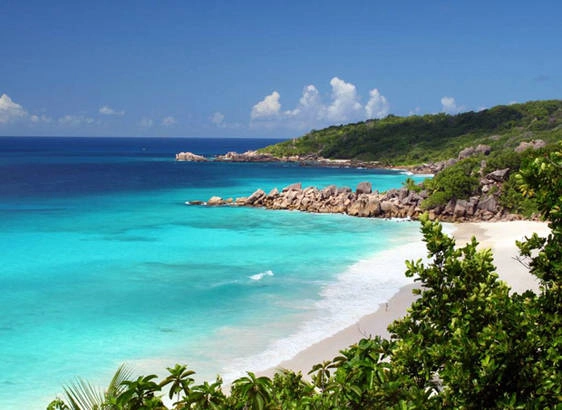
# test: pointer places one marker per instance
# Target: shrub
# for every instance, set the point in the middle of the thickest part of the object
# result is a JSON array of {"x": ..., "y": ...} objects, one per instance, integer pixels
[{"x": 459, "y": 181}]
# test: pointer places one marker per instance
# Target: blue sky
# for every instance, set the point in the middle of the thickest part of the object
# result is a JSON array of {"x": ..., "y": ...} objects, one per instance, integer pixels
[{"x": 265, "y": 69}]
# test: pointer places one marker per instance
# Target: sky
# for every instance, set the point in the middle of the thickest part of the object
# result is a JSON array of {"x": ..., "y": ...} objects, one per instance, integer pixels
[{"x": 278, "y": 69}]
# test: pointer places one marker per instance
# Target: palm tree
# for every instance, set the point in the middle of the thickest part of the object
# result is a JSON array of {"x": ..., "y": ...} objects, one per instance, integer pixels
[
  {"x": 322, "y": 376},
  {"x": 206, "y": 396},
  {"x": 139, "y": 394},
  {"x": 180, "y": 380},
  {"x": 255, "y": 391},
  {"x": 81, "y": 395}
]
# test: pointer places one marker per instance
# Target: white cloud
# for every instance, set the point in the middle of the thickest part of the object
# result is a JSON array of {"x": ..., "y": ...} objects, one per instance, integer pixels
[
  {"x": 378, "y": 106},
  {"x": 40, "y": 118},
  {"x": 75, "y": 120},
  {"x": 10, "y": 111},
  {"x": 450, "y": 105},
  {"x": 312, "y": 112},
  {"x": 310, "y": 106},
  {"x": 168, "y": 121},
  {"x": 310, "y": 99},
  {"x": 146, "y": 122},
  {"x": 345, "y": 104},
  {"x": 268, "y": 107},
  {"x": 106, "y": 110}
]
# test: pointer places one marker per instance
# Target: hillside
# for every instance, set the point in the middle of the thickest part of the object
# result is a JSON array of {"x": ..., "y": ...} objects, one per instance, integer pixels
[{"x": 417, "y": 139}]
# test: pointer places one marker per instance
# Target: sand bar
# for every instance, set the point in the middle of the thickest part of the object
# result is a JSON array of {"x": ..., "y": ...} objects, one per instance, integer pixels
[{"x": 499, "y": 236}]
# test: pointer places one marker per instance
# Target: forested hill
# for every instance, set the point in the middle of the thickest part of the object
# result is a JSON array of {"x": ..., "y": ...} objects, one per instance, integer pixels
[{"x": 416, "y": 139}]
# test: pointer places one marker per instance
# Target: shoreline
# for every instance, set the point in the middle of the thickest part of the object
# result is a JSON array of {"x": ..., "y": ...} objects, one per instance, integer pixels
[
  {"x": 368, "y": 282},
  {"x": 312, "y": 160},
  {"x": 499, "y": 236}
]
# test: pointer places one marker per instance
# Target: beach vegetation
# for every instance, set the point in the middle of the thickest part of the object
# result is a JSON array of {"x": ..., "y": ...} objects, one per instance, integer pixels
[
  {"x": 206, "y": 396},
  {"x": 467, "y": 341},
  {"x": 411, "y": 185},
  {"x": 459, "y": 181},
  {"x": 82, "y": 395},
  {"x": 427, "y": 138},
  {"x": 462, "y": 180},
  {"x": 179, "y": 380},
  {"x": 251, "y": 392},
  {"x": 141, "y": 393}
]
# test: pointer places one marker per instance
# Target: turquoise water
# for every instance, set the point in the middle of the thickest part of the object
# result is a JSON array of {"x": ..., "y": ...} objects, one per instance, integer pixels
[{"x": 103, "y": 263}]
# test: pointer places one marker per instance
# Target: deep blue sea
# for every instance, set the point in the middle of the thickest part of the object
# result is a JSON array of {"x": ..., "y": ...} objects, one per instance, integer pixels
[{"x": 102, "y": 262}]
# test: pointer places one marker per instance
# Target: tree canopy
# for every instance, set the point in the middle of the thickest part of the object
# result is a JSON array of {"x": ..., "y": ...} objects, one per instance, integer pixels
[{"x": 428, "y": 138}]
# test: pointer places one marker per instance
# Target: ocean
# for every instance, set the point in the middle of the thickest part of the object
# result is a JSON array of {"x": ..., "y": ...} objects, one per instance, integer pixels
[{"x": 103, "y": 262}]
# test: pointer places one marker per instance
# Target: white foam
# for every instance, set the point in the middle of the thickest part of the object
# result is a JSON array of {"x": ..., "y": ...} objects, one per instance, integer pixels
[
  {"x": 260, "y": 276},
  {"x": 357, "y": 292}
]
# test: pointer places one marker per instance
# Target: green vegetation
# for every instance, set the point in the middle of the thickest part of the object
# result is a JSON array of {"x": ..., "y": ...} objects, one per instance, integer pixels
[
  {"x": 411, "y": 185},
  {"x": 466, "y": 342},
  {"x": 462, "y": 180},
  {"x": 459, "y": 181},
  {"x": 429, "y": 138}
]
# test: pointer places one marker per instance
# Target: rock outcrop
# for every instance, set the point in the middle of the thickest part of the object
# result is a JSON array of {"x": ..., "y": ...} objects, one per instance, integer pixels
[
  {"x": 394, "y": 203},
  {"x": 248, "y": 156},
  {"x": 364, "y": 202},
  {"x": 534, "y": 144},
  {"x": 190, "y": 156}
]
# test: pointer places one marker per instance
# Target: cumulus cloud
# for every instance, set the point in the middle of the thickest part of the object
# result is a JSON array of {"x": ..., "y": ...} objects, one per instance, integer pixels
[
  {"x": 311, "y": 112},
  {"x": 106, "y": 110},
  {"x": 269, "y": 106},
  {"x": 345, "y": 104},
  {"x": 449, "y": 105},
  {"x": 378, "y": 106},
  {"x": 10, "y": 111},
  {"x": 308, "y": 113},
  {"x": 75, "y": 120},
  {"x": 168, "y": 121}
]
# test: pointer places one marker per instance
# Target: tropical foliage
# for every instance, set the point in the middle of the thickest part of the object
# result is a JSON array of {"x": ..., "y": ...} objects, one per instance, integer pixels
[
  {"x": 466, "y": 342},
  {"x": 459, "y": 181},
  {"x": 462, "y": 180},
  {"x": 433, "y": 137}
]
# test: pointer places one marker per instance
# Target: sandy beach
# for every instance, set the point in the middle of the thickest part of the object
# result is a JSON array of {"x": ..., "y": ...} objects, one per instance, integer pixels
[{"x": 499, "y": 236}]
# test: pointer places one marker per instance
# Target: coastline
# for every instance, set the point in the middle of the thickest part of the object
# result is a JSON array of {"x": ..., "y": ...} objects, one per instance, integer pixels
[
  {"x": 368, "y": 282},
  {"x": 498, "y": 236}
]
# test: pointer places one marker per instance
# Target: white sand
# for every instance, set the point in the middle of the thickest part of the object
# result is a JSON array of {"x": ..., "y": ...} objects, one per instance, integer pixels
[{"x": 499, "y": 236}]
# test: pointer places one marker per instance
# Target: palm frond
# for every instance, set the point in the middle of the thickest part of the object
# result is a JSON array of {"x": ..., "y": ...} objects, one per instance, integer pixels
[
  {"x": 116, "y": 386},
  {"x": 81, "y": 395}
]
